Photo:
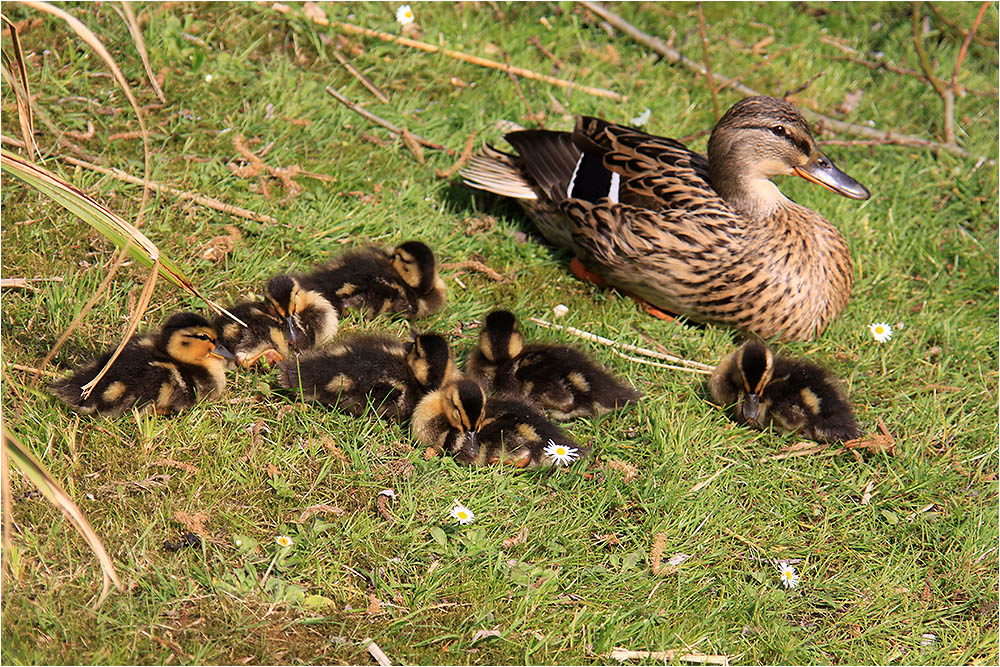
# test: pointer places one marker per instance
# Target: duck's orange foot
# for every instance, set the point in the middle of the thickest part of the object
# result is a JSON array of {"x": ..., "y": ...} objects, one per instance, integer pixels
[
  {"x": 654, "y": 310},
  {"x": 584, "y": 274}
]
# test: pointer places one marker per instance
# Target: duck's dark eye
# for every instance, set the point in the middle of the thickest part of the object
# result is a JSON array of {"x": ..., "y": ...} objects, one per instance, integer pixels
[{"x": 778, "y": 130}]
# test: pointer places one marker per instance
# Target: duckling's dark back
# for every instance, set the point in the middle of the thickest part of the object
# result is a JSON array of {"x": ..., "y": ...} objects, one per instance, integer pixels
[
  {"x": 803, "y": 391},
  {"x": 361, "y": 279},
  {"x": 353, "y": 373}
]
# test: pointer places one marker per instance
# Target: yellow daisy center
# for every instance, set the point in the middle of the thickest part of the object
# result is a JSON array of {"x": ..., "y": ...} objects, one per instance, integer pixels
[
  {"x": 561, "y": 451},
  {"x": 879, "y": 329},
  {"x": 463, "y": 515}
]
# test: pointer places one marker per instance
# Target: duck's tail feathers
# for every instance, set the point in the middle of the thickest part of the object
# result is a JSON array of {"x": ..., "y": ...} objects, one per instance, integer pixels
[
  {"x": 548, "y": 159},
  {"x": 497, "y": 172}
]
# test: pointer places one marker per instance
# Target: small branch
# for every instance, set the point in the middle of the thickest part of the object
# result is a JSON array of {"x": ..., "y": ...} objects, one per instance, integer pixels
[
  {"x": 708, "y": 63},
  {"x": 32, "y": 369},
  {"x": 470, "y": 145},
  {"x": 623, "y": 654},
  {"x": 961, "y": 33},
  {"x": 545, "y": 52},
  {"x": 965, "y": 45},
  {"x": 692, "y": 366},
  {"x": 365, "y": 81},
  {"x": 947, "y": 94},
  {"x": 120, "y": 175},
  {"x": 475, "y": 265},
  {"x": 825, "y": 121},
  {"x": 395, "y": 129},
  {"x": 380, "y": 657},
  {"x": 476, "y": 60},
  {"x": 140, "y": 45}
]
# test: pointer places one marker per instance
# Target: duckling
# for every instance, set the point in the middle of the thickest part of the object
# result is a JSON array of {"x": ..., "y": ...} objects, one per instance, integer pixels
[
  {"x": 460, "y": 420},
  {"x": 711, "y": 238},
  {"x": 388, "y": 373},
  {"x": 171, "y": 369},
  {"x": 404, "y": 281},
  {"x": 289, "y": 317},
  {"x": 562, "y": 379},
  {"x": 791, "y": 395}
]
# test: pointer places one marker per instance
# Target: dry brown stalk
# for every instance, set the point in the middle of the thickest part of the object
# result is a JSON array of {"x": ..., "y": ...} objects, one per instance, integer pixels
[
  {"x": 992, "y": 44},
  {"x": 475, "y": 265},
  {"x": 965, "y": 45},
  {"x": 708, "y": 63},
  {"x": 674, "y": 57},
  {"x": 140, "y": 45},
  {"x": 365, "y": 81},
  {"x": 470, "y": 145},
  {"x": 545, "y": 52},
  {"x": 482, "y": 62},
  {"x": 120, "y": 175},
  {"x": 395, "y": 129},
  {"x": 31, "y": 369},
  {"x": 947, "y": 94}
]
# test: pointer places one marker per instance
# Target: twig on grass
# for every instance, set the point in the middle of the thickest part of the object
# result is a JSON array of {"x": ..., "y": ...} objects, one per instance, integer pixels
[
  {"x": 708, "y": 63},
  {"x": 623, "y": 654},
  {"x": 31, "y": 369},
  {"x": 140, "y": 45},
  {"x": 380, "y": 657},
  {"x": 395, "y": 129},
  {"x": 120, "y": 175},
  {"x": 692, "y": 366},
  {"x": 674, "y": 57},
  {"x": 983, "y": 41},
  {"x": 476, "y": 265},
  {"x": 946, "y": 94},
  {"x": 965, "y": 45},
  {"x": 482, "y": 62},
  {"x": 365, "y": 81},
  {"x": 470, "y": 145}
]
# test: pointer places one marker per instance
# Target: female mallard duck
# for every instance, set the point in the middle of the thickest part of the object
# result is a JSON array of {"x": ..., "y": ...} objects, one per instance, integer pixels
[
  {"x": 713, "y": 239},
  {"x": 386, "y": 373},
  {"x": 560, "y": 378},
  {"x": 791, "y": 395},
  {"x": 476, "y": 430},
  {"x": 403, "y": 281},
  {"x": 289, "y": 317},
  {"x": 171, "y": 370}
]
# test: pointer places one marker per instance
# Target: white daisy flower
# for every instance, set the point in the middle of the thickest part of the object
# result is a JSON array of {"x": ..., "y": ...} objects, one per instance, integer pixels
[
  {"x": 284, "y": 541},
  {"x": 404, "y": 15},
  {"x": 881, "y": 331},
  {"x": 560, "y": 454},
  {"x": 789, "y": 577},
  {"x": 462, "y": 513}
]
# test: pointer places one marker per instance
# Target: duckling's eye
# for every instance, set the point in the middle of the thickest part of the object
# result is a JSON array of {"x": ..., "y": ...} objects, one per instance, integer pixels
[
  {"x": 778, "y": 130},
  {"x": 456, "y": 414}
]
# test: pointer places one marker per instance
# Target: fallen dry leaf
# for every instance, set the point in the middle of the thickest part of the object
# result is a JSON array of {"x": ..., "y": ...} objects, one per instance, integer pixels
[
  {"x": 520, "y": 538},
  {"x": 218, "y": 247},
  {"x": 483, "y": 634},
  {"x": 319, "y": 509},
  {"x": 194, "y": 523},
  {"x": 629, "y": 472}
]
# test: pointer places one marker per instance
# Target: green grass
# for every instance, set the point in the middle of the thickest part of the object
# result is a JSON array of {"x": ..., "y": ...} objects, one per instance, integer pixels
[{"x": 876, "y": 577}]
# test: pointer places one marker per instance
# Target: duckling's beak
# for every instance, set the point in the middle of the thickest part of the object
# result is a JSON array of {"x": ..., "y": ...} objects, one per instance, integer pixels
[
  {"x": 221, "y": 352},
  {"x": 751, "y": 407},
  {"x": 469, "y": 449},
  {"x": 820, "y": 169},
  {"x": 292, "y": 336}
]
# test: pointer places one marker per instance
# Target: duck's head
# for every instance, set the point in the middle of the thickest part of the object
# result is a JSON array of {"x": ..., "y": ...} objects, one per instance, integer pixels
[
  {"x": 763, "y": 137},
  {"x": 190, "y": 339},
  {"x": 755, "y": 367},
  {"x": 416, "y": 265},
  {"x": 430, "y": 362},
  {"x": 464, "y": 403},
  {"x": 500, "y": 340},
  {"x": 288, "y": 298}
]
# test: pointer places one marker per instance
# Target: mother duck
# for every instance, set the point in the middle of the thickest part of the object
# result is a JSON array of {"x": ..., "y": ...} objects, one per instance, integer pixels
[{"x": 713, "y": 239}]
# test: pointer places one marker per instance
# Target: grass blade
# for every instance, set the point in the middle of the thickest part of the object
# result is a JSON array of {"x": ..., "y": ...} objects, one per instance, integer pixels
[
  {"x": 47, "y": 485},
  {"x": 105, "y": 221}
]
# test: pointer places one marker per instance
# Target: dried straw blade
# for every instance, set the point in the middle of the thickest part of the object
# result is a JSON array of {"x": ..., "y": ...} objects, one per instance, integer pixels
[
  {"x": 22, "y": 90},
  {"x": 51, "y": 489},
  {"x": 108, "y": 223}
]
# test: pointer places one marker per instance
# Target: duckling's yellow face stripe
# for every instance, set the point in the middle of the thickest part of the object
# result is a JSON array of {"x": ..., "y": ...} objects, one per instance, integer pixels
[{"x": 191, "y": 345}]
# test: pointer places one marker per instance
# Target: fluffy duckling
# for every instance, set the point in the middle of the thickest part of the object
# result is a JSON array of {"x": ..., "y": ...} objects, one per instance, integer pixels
[
  {"x": 289, "y": 317},
  {"x": 789, "y": 394},
  {"x": 560, "y": 378},
  {"x": 388, "y": 373},
  {"x": 403, "y": 281},
  {"x": 171, "y": 370},
  {"x": 460, "y": 420}
]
